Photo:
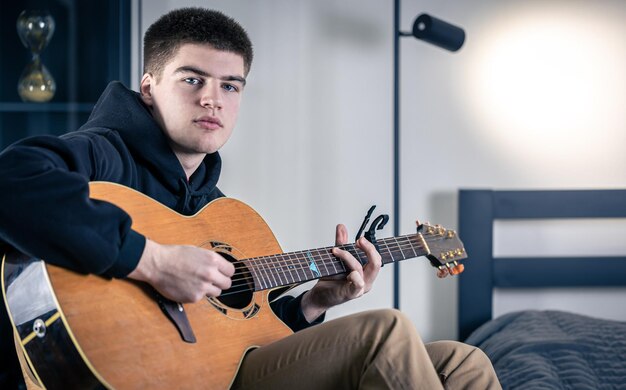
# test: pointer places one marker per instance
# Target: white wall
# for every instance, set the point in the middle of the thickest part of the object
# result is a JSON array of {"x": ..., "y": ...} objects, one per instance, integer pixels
[{"x": 533, "y": 100}]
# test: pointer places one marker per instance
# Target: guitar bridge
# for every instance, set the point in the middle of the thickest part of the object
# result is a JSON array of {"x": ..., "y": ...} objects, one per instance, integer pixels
[{"x": 176, "y": 313}]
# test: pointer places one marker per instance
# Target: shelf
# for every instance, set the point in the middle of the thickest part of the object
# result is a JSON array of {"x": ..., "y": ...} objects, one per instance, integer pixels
[
  {"x": 46, "y": 107},
  {"x": 90, "y": 47}
]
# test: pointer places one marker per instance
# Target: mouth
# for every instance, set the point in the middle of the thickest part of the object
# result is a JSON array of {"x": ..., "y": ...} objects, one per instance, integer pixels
[{"x": 209, "y": 122}]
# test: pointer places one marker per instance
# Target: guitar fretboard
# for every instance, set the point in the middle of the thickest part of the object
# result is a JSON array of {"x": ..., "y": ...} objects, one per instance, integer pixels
[{"x": 297, "y": 267}]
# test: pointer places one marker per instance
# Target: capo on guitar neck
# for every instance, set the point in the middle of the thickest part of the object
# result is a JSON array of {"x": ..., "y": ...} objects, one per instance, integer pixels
[{"x": 378, "y": 224}]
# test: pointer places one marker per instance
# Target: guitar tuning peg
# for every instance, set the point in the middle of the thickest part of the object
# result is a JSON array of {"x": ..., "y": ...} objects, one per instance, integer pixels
[
  {"x": 457, "y": 269},
  {"x": 418, "y": 225}
]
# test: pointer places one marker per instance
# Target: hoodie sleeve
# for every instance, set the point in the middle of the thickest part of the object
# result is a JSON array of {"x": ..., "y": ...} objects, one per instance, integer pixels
[
  {"x": 46, "y": 212},
  {"x": 289, "y": 310}
]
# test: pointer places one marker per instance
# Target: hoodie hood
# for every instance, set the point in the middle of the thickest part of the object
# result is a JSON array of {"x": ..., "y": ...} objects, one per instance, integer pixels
[{"x": 123, "y": 111}]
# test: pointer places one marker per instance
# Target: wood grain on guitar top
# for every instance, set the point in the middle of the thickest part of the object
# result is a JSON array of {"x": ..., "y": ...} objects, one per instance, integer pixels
[{"x": 120, "y": 328}]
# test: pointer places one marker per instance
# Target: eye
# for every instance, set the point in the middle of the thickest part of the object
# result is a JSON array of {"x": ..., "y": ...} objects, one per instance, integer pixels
[
  {"x": 230, "y": 88},
  {"x": 192, "y": 81}
]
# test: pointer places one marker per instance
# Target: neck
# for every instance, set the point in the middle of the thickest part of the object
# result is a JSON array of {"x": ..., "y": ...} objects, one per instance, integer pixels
[{"x": 189, "y": 162}]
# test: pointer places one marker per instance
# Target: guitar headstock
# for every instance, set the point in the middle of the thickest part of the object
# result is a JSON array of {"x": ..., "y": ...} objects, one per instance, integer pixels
[{"x": 445, "y": 249}]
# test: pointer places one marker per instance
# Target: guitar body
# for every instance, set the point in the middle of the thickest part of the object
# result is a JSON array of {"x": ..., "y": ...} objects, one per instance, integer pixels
[{"x": 86, "y": 331}]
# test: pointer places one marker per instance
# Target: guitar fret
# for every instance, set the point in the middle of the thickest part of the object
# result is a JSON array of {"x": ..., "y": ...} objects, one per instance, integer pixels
[
  {"x": 298, "y": 266},
  {"x": 286, "y": 258},
  {"x": 392, "y": 259},
  {"x": 290, "y": 267},
  {"x": 270, "y": 269},
  {"x": 412, "y": 247},
  {"x": 358, "y": 253},
  {"x": 333, "y": 261},
  {"x": 338, "y": 262},
  {"x": 268, "y": 281},
  {"x": 257, "y": 280},
  {"x": 260, "y": 269},
  {"x": 355, "y": 252},
  {"x": 399, "y": 247},
  {"x": 261, "y": 273},
  {"x": 280, "y": 270},
  {"x": 321, "y": 256},
  {"x": 312, "y": 266},
  {"x": 415, "y": 243},
  {"x": 301, "y": 267}
]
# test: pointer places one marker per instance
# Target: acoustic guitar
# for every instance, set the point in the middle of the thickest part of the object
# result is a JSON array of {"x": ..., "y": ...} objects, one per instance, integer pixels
[{"x": 85, "y": 331}]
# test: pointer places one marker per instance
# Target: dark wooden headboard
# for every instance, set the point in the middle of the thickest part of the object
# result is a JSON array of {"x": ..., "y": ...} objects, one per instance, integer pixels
[{"x": 478, "y": 209}]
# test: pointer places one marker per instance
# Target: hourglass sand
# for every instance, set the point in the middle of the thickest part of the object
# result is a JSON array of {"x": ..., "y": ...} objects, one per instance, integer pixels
[{"x": 35, "y": 29}]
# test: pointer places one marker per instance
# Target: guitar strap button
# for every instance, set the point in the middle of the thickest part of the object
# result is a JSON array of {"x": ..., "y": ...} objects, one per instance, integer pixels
[{"x": 39, "y": 327}]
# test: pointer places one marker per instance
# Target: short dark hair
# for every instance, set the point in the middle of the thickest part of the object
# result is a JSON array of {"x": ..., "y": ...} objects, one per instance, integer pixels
[{"x": 193, "y": 25}]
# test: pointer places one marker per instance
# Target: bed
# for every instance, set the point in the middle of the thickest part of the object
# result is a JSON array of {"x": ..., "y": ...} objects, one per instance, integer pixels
[{"x": 540, "y": 349}]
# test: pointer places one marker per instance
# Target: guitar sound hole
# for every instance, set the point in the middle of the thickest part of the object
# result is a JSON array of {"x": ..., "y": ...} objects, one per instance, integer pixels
[{"x": 239, "y": 295}]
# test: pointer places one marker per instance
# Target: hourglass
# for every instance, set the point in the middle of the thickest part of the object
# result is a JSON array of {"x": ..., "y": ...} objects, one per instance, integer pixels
[{"x": 35, "y": 29}]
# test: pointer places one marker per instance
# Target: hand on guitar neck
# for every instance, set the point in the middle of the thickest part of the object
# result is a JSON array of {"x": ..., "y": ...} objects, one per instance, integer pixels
[{"x": 335, "y": 290}]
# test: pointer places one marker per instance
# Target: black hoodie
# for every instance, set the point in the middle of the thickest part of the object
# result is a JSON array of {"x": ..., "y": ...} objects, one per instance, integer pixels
[
  {"x": 45, "y": 209},
  {"x": 44, "y": 187}
]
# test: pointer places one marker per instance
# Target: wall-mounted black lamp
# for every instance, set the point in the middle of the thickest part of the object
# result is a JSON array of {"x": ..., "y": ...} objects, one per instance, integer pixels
[{"x": 438, "y": 33}]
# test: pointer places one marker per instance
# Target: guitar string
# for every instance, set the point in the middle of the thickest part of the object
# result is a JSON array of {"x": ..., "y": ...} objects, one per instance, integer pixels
[
  {"x": 325, "y": 257},
  {"x": 243, "y": 281},
  {"x": 269, "y": 285},
  {"x": 295, "y": 265},
  {"x": 407, "y": 243},
  {"x": 402, "y": 242},
  {"x": 324, "y": 254}
]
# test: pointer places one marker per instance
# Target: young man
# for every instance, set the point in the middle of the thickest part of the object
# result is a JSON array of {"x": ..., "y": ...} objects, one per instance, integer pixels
[{"x": 164, "y": 142}]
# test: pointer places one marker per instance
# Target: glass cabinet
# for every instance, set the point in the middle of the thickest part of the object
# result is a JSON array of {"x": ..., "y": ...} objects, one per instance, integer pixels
[{"x": 90, "y": 47}]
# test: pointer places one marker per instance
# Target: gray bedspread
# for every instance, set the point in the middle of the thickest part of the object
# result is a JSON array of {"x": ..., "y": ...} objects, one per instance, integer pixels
[{"x": 554, "y": 350}]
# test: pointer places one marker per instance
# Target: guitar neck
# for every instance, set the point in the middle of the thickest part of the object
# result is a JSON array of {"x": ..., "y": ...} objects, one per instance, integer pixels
[{"x": 297, "y": 267}]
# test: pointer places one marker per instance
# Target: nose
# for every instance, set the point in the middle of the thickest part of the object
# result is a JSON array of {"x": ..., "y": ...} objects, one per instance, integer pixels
[{"x": 210, "y": 96}]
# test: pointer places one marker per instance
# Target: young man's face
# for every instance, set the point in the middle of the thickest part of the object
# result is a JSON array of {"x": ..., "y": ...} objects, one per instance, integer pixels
[{"x": 196, "y": 99}]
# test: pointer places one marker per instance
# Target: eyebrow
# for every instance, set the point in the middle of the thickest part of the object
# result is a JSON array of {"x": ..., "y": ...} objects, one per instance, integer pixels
[{"x": 202, "y": 73}]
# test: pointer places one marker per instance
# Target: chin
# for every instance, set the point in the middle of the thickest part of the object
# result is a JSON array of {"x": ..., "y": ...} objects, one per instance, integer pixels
[{"x": 210, "y": 149}]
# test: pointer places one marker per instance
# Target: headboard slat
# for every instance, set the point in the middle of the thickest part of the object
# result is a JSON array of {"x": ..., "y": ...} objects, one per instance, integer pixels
[
  {"x": 559, "y": 204},
  {"x": 559, "y": 272}
]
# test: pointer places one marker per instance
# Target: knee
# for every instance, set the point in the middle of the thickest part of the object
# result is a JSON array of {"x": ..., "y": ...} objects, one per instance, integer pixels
[
  {"x": 387, "y": 317},
  {"x": 392, "y": 321},
  {"x": 458, "y": 363},
  {"x": 448, "y": 350},
  {"x": 478, "y": 358},
  {"x": 473, "y": 354}
]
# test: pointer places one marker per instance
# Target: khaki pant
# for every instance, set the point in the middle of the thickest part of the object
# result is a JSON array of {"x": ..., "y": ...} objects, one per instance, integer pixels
[{"x": 371, "y": 350}]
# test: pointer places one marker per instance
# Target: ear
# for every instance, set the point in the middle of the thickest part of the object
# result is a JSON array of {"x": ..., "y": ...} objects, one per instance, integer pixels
[{"x": 145, "y": 88}]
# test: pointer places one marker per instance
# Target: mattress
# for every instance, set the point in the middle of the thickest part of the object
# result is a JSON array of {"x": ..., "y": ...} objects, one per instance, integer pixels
[{"x": 554, "y": 350}]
